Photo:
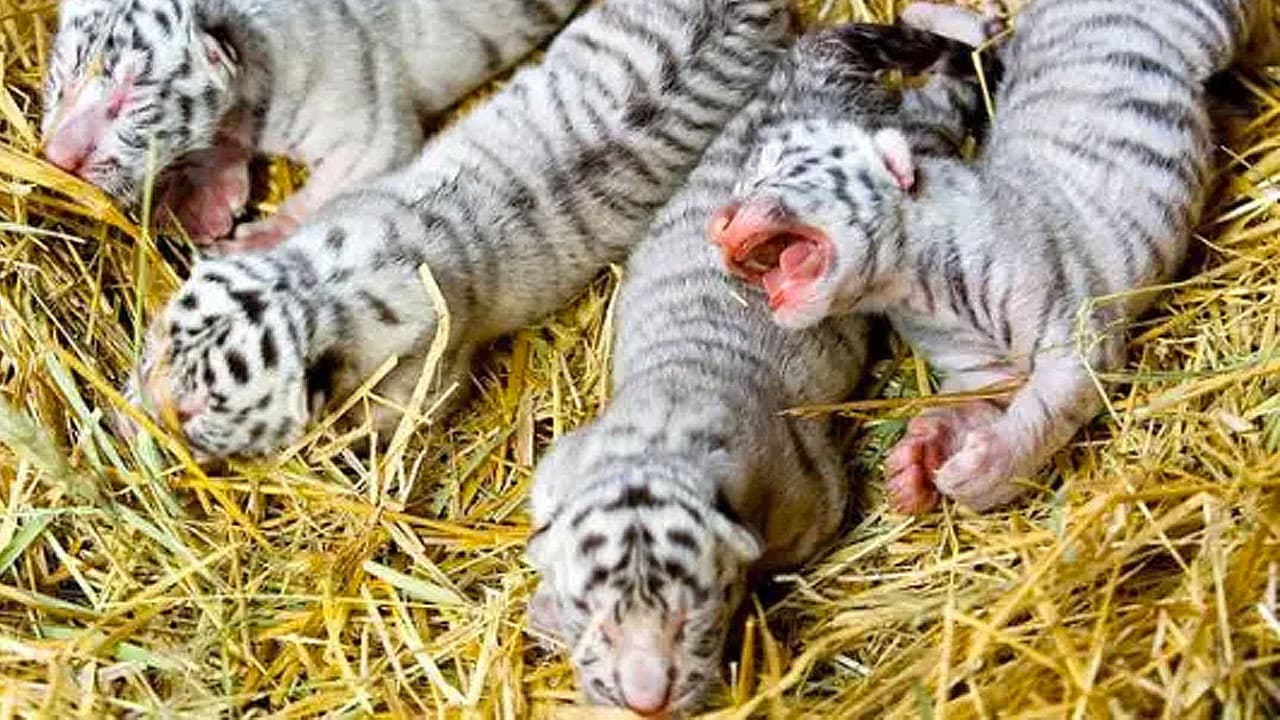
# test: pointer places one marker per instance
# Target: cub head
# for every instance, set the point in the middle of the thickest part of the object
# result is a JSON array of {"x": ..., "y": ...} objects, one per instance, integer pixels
[
  {"x": 640, "y": 577},
  {"x": 223, "y": 366},
  {"x": 820, "y": 204},
  {"x": 124, "y": 77}
]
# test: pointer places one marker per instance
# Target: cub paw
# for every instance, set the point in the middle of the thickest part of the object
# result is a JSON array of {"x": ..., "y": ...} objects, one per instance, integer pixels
[
  {"x": 924, "y": 462},
  {"x": 913, "y": 462},
  {"x": 981, "y": 474},
  {"x": 206, "y": 195}
]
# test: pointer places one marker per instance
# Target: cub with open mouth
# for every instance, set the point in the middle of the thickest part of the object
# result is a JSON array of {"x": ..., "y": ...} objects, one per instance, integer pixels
[{"x": 1089, "y": 186}]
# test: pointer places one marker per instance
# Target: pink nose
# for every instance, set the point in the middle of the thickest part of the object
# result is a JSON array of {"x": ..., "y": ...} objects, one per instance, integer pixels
[
  {"x": 73, "y": 142},
  {"x": 646, "y": 685},
  {"x": 67, "y": 155}
]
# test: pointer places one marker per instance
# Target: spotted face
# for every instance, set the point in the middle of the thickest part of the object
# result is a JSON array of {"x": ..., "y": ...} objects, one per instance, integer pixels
[
  {"x": 126, "y": 77},
  {"x": 640, "y": 581},
  {"x": 811, "y": 219},
  {"x": 223, "y": 365}
]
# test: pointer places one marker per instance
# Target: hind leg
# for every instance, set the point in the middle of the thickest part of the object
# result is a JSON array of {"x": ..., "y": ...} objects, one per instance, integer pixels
[{"x": 1058, "y": 399}]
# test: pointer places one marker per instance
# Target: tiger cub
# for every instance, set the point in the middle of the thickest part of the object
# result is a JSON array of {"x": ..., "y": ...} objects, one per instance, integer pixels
[
  {"x": 649, "y": 518},
  {"x": 1090, "y": 185},
  {"x": 342, "y": 85},
  {"x": 514, "y": 210}
]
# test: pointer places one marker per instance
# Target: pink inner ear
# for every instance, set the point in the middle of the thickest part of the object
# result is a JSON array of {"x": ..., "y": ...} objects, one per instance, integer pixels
[
  {"x": 896, "y": 154},
  {"x": 216, "y": 52},
  {"x": 903, "y": 172},
  {"x": 118, "y": 99}
]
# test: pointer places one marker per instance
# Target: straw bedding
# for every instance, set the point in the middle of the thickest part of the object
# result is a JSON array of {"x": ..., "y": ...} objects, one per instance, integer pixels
[{"x": 1141, "y": 582}]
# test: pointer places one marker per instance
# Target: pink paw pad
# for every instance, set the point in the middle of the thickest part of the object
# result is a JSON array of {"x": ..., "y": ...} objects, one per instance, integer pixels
[
  {"x": 205, "y": 199},
  {"x": 913, "y": 462}
]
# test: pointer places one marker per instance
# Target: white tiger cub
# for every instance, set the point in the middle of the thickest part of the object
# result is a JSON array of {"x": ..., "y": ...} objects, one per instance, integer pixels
[
  {"x": 342, "y": 85},
  {"x": 1090, "y": 185},
  {"x": 650, "y": 518},
  {"x": 514, "y": 210}
]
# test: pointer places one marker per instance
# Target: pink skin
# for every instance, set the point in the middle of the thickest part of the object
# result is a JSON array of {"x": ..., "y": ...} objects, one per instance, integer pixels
[
  {"x": 759, "y": 245},
  {"x": 204, "y": 194},
  {"x": 215, "y": 189},
  {"x": 73, "y": 145},
  {"x": 910, "y": 467},
  {"x": 208, "y": 191},
  {"x": 211, "y": 187}
]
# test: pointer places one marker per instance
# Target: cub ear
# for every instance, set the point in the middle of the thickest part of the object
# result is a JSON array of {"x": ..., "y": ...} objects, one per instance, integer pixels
[
  {"x": 544, "y": 610},
  {"x": 538, "y": 547},
  {"x": 895, "y": 153},
  {"x": 729, "y": 530},
  {"x": 220, "y": 54}
]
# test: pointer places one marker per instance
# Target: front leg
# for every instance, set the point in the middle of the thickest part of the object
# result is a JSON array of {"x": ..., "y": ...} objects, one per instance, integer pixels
[
  {"x": 1059, "y": 398},
  {"x": 338, "y": 171}
]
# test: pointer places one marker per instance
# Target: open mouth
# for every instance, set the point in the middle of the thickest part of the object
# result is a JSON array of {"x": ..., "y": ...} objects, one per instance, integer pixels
[{"x": 786, "y": 258}]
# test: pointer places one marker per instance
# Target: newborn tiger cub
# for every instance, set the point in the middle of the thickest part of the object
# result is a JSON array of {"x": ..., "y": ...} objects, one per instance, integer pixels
[
  {"x": 514, "y": 210},
  {"x": 342, "y": 85},
  {"x": 1090, "y": 185},
  {"x": 649, "y": 519}
]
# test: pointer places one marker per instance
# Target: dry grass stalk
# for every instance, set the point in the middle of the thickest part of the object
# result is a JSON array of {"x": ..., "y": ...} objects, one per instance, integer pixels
[{"x": 131, "y": 582}]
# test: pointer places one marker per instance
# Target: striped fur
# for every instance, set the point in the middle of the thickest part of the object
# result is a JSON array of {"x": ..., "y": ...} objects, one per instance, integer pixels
[
  {"x": 1090, "y": 186},
  {"x": 514, "y": 210},
  {"x": 342, "y": 85},
  {"x": 650, "y": 517}
]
